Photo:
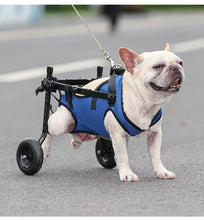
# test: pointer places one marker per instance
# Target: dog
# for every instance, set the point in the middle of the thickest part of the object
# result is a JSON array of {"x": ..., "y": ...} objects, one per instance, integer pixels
[{"x": 150, "y": 80}]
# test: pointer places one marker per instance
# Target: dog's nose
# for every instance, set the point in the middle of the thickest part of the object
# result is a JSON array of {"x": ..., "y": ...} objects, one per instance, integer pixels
[{"x": 175, "y": 69}]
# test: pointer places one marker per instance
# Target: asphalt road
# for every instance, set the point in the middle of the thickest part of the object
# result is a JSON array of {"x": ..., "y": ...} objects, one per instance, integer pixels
[{"x": 72, "y": 182}]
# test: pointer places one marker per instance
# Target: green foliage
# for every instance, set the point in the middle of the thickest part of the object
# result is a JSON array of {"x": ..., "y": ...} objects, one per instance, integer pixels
[
  {"x": 65, "y": 8},
  {"x": 68, "y": 10}
]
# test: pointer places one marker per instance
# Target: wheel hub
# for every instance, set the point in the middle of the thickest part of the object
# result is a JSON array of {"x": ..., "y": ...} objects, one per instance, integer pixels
[{"x": 26, "y": 158}]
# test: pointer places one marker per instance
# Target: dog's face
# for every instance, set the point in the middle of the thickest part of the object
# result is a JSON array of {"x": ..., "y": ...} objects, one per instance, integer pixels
[{"x": 161, "y": 72}]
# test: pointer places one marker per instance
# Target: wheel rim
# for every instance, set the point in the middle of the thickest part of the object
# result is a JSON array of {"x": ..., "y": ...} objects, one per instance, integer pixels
[
  {"x": 105, "y": 153},
  {"x": 26, "y": 158}
]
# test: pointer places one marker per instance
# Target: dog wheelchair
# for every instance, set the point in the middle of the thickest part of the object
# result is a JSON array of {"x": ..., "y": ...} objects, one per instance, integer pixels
[{"x": 29, "y": 153}]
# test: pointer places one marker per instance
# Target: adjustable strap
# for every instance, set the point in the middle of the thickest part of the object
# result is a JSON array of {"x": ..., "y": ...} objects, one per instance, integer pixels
[
  {"x": 94, "y": 99},
  {"x": 111, "y": 89},
  {"x": 111, "y": 95},
  {"x": 71, "y": 90},
  {"x": 115, "y": 71},
  {"x": 93, "y": 103},
  {"x": 68, "y": 94}
]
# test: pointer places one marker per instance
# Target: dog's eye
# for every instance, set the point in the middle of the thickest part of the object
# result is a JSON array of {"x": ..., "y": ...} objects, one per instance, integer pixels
[
  {"x": 158, "y": 66},
  {"x": 181, "y": 63}
]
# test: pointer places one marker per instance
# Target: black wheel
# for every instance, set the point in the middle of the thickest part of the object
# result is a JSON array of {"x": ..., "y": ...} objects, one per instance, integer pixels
[
  {"x": 105, "y": 153},
  {"x": 29, "y": 156}
]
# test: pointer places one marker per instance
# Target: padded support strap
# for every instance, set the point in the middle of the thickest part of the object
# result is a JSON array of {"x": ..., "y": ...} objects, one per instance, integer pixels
[
  {"x": 111, "y": 89},
  {"x": 68, "y": 94}
]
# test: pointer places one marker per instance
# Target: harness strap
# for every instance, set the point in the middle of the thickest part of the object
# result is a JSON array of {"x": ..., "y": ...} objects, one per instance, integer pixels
[
  {"x": 93, "y": 103},
  {"x": 111, "y": 89},
  {"x": 156, "y": 118},
  {"x": 115, "y": 71},
  {"x": 94, "y": 99},
  {"x": 68, "y": 94},
  {"x": 71, "y": 90}
]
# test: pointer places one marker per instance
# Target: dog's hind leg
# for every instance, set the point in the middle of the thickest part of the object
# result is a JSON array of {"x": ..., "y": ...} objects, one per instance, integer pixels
[
  {"x": 76, "y": 141},
  {"x": 60, "y": 122},
  {"x": 46, "y": 146},
  {"x": 78, "y": 138}
]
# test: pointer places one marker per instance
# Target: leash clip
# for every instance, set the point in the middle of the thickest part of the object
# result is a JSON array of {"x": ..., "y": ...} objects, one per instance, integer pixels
[{"x": 114, "y": 65}]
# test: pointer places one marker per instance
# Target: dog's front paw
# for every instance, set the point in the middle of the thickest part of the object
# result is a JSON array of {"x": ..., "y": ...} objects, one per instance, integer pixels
[
  {"x": 165, "y": 174},
  {"x": 129, "y": 176}
]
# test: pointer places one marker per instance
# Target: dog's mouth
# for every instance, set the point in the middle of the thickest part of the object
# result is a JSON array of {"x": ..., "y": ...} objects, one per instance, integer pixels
[{"x": 173, "y": 87}]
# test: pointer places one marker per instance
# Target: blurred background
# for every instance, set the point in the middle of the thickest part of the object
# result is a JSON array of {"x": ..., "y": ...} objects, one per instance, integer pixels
[
  {"x": 32, "y": 14},
  {"x": 35, "y": 36},
  {"x": 44, "y": 28}
]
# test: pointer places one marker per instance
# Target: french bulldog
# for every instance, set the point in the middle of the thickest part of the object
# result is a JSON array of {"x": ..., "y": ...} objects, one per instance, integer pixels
[{"x": 150, "y": 80}]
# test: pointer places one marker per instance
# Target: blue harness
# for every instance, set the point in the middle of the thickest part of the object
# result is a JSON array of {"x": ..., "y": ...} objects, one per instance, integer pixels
[{"x": 92, "y": 120}]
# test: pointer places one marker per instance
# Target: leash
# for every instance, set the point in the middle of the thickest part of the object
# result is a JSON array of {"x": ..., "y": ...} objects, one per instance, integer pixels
[
  {"x": 105, "y": 53},
  {"x": 116, "y": 69}
]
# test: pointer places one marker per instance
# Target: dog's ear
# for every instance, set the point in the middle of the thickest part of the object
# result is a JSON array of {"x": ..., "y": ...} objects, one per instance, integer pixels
[
  {"x": 167, "y": 47},
  {"x": 130, "y": 58}
]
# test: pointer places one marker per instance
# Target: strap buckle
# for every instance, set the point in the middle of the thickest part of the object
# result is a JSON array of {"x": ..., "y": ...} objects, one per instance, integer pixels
[{"x": 111, "y": 99}]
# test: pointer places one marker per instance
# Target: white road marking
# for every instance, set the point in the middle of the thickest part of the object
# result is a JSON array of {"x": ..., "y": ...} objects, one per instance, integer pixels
[
  {"x": 47, "y": 32},
  {"x": 97, "y": 27},
  {"x": 187, "y": 46},
  {"x": 58, "y": 69}
]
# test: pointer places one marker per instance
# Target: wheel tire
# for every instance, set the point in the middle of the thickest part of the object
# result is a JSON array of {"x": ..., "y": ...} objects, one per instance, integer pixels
[
  {"x": 105, "y": 153},
  {"x": 29, "y": 156}
]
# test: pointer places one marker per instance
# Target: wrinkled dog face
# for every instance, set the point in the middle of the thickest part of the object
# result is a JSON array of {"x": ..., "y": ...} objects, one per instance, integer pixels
[
  {"x": 161, "y": 71},
  {"x": 167, "y": 72}
]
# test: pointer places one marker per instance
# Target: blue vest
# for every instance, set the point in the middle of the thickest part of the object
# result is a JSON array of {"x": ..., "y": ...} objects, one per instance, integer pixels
[{"x": 92, "y": 120}]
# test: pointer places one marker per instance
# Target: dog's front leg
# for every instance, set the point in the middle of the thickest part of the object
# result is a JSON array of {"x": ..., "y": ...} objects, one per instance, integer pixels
[
  {"x": 154, "y": 139},
  {"x": 119, "y": 140}
]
